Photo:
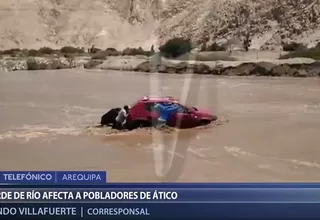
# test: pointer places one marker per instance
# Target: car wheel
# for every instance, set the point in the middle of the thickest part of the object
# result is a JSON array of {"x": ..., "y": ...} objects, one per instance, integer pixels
[
  {"x": 138, "y": 124},
  {"x": 204, "y": 122}
]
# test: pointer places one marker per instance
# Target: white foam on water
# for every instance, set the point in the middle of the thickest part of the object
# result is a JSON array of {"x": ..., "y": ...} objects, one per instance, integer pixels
[
  {"x": 306, "y": 164},
  {"x": 238, "y": 152},
  {"x": 63, "y": 107},
  {"x": 28, "y": 132},
  {"x": 232, "y": 84},
  {"x": 314, "y": 89},
  {"x": 21, "y": 135}
]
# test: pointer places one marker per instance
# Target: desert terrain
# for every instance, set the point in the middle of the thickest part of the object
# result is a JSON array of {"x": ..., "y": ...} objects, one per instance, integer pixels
[{"x": 142, "y": 23}]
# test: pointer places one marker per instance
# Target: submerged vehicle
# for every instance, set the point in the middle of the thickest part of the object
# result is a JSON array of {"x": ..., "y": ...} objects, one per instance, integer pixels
[{"x": 143, "y": 114}]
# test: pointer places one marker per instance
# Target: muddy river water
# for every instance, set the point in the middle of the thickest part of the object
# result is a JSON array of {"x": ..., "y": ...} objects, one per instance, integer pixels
[{"x": 268, "y": 128}]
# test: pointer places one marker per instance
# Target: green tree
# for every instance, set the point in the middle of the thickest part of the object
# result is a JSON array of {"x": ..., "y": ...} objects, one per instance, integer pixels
[{"x": 176, "y": 47}]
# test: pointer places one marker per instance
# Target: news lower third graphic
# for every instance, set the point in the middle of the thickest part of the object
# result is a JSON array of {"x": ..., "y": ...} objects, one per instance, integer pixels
[
  {"x": 87, "y": 195},
  {"x": 58, "y": 177}
]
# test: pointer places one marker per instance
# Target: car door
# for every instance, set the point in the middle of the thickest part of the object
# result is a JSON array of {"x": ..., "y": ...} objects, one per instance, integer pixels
[
  {"x": 182, "y": 119},
  {"x": 152, "y": 114}
]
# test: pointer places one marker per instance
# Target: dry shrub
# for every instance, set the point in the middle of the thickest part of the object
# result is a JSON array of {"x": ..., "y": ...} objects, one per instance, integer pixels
[
  {"x": 207, "y": 56},
  {"x": 12, "y": 51},
  {"x": 25, "y": 52},
  {"x": 111, "y": 49},
  {"x": 294, "y": 46},
  {"x": 112, "y": 52},
  {"x": 46, "y": 50},
  {"x": 215, "y": 47},
  {"x": 69, "y": 49},
  {"x": 102, "y": 55},
  {"x": 312, "y": 53},
  {"x": 176, "y": 47},
  {"x": 135, "y": 51},
  {"x": 31, "y": 53},
  {"x": 92, "y": 64},
  {"x": 95, "y": 50},
  {"x": 32, "y": 64},
  {"x": 299, "y": 50},
  {"x": 55, "y": 65}
]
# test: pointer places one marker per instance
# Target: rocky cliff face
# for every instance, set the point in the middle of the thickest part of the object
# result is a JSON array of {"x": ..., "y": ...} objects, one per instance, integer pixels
[
  {"x": 134, "y": 23},
  {"x": 56, "y": 23},
  {"x": 268, "y": 22}
]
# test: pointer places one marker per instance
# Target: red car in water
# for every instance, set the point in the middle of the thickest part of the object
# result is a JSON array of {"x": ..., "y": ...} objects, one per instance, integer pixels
[{"x": 142, "y": 114}]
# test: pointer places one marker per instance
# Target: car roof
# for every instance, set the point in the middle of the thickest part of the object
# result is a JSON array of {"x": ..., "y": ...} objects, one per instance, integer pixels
[{"x": 148, "y": 99}]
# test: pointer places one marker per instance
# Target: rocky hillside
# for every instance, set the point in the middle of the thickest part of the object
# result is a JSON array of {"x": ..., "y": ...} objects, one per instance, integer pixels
[
  {"x": 134, "y": 23},
  {"x": 56, "y": 23},
  {"x": 268, "y": 22}
]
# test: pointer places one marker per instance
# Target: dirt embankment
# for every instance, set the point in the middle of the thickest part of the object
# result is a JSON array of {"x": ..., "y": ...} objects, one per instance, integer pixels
[
  {"x": 8, "y": 64},
  {"x": 243, "y": 69},
  {"x": 291, "y": 67}
]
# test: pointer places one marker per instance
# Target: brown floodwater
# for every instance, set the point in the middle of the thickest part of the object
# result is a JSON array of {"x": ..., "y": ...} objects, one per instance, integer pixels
[{"x": 268, "y": 128}]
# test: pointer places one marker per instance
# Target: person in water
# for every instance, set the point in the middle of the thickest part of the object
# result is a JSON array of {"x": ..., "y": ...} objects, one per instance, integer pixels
[
  {"x": 120, "y": 120},
  {"x": 165, "y": 111}
]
